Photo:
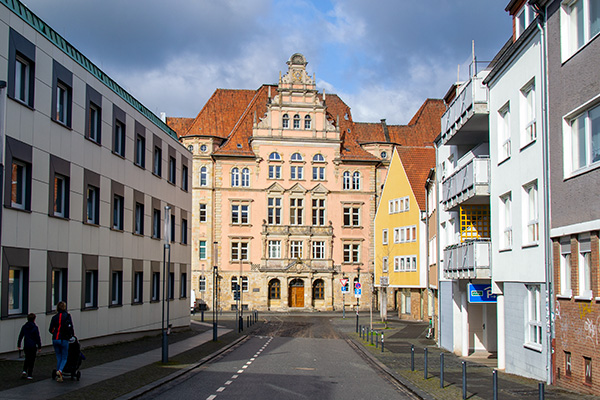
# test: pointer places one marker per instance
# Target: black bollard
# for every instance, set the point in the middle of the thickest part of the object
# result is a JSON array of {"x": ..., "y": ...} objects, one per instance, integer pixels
[
  {"x": 248, "y": 322},
  {"x": 464, "y": 380},
  {"x": 376, "y": 340},
  {"x": 441, "y": 370},
  {"x": 201, "y": 315},
  {"x": 382, "y": 342},
  {"x": 412, "y": 357},
  {"x": 372, "y": 336},
  {"x": 495, "y": 384},
  {"x": 541, "y": 390},
  {"x": 425, "y": 365}
]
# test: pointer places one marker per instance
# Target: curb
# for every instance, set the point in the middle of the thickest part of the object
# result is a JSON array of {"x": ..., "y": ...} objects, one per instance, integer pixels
[
  {"x": 138, "y": 393},
  {"x": 406, "y": 383}
]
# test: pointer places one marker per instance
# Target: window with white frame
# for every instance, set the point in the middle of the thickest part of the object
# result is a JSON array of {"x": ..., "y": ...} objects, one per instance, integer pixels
[
  {"x": 274, "y": 171},
  {"x": 318, "y": 173},
  {"x": 523, "y": 19},
  {"x": 235, "y": 177},
  {"x": 565, "y": 267},
  {"x": 138, "y": 285},
  {"x": 239, "y": 250},
  {"x": 285, "y": 121},
  {"x": 156, "y": 223},
  {"x": 118, "y": 212},
  {"x": 23, "y": 79},
  {"x": 202, "y": 249},
  {"x": 505, "y": 217},
  {"x": 296, "y": 157},
  {"x": 585, "y": 267},
  {"x": 94, "y": 122},
  {"x": 528, "y": 123},
  {"x": 155, "y": 295},
  {"x": 93, "y": 205},
  {"x": 384, "y": 236},
  {"x": 296, "y": 247},
  {"x": 296, "y": 172},
  {"x": 274, "y": 156},
  {"x": 352, "y": 215},
  {"x": 318, "y": 212},
  {"x": 346, "y": 182},
  {"x": 274, "y": 210},
  {"x": 203, "y": 215},
  {"x": 140, "y": 151},
  {"x": 397, "y": 263},
  {"x": 296, "y": 211},
  {"x": 296, "y": 121},
  {"x": 245, "y": 177},
  {"x": 396, "y": 235},
  {"x": 401, "y": 204},
  {"x": 318, "y": 249},
  {"x": 504, "y": 144},
  {"x": 307, "y": 121},
  {"x": 351, "y": 253},
  {"x": 580, "y": 22},
  {"x": 20, "y": 184},
  {"x": 318, "y": 158},
  {"x": 116, "y": 293},
  {"x": 202, "y": 284},
  {"x": 385, "y": 264},
  {"x": 356, "y": 181},
  {"x": 240, "y": 213},
  {"x": 582, "y": 140},
  {"x": 203, "y": 176},
  {"x": 274, "y": 248},
  {"x": 530, "y": 208},
  {"x": 534, "y": 316}
]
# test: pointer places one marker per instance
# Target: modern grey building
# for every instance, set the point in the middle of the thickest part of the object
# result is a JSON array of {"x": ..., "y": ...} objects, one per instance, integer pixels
[{"x": 88, "y": 171}]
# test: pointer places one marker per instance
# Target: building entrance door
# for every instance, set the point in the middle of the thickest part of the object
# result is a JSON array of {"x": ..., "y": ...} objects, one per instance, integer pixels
[{"x": 297, "y": 293}]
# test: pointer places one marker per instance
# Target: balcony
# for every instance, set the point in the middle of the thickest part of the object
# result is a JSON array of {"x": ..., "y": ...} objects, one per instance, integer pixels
[
  {"x": 466, "y": 119},
  {"x": 469, "y": 185},
  {"x": 468, "y": 260},
  {"x": 301, "y": 230}
]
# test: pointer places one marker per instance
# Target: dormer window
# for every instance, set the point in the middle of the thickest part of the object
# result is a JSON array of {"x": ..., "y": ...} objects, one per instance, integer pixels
[
  {"x": 318, "y": 158},
  {"x": 307, "y": 122},
  {"x": 274, "y": 156},
  {"x": 296, "y": 121},
  {"x": 285, "y": 122},
  {"x": 296, "y": 157},
  {"x": 522, "y": 20}
]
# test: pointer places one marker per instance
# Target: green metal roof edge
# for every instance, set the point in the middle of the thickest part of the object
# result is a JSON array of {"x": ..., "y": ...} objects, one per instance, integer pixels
[{"x": 36, "y": 23}]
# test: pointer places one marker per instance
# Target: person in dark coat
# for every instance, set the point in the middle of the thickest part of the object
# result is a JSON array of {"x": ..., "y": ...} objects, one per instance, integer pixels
[
  {"x": 61, "y": 328},
  {"x": 30, "y": 336}
]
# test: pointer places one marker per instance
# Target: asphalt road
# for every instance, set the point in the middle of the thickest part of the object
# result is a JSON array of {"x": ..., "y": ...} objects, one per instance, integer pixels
[{"x": 288, "y": 358}]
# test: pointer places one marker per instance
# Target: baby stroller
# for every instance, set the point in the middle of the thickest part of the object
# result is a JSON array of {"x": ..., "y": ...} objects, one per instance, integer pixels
[{"x": 74, "y": 359}]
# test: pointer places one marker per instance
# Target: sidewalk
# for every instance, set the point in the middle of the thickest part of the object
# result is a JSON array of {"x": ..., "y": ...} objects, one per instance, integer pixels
[
  {"x": 47, "y": 389},
  {"x": 399, "y": 337}
]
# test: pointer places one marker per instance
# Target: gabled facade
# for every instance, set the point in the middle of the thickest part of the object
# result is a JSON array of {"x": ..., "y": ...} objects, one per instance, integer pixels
[
  {"x": 84, "y": 193},
  {"x": 289, "y": 183},
  {"x": 400, "y": 234}
]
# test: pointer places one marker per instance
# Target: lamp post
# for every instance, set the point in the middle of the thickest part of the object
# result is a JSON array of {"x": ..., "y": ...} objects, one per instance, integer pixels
[
  {"x": 215, "y": 277},
  {"x": 167, "y": 246}
]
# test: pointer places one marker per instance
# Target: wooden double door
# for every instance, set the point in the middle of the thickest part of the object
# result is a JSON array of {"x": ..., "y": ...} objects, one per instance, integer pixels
[{"x": 296, "y": 293}]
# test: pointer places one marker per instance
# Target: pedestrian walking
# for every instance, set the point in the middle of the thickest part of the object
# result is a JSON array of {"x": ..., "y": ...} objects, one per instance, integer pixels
[
  {"x": 30, "y": 336},
  {"x": 61, "y": 328}
]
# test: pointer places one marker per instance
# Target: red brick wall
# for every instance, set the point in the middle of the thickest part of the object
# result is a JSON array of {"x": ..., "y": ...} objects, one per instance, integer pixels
[{"x": 577, "y": 324}]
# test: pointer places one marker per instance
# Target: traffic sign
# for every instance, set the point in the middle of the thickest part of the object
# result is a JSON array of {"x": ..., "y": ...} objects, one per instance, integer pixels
[
  {"x": 357, "y": 285},
  {"x": 344, "y": 281},
  {"x": 357, "y": 292}
]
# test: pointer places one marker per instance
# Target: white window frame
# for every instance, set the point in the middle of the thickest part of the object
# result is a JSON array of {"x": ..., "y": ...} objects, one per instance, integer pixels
[
  {"x": 528, "y": 114},
  {"x": 203, "y": 214},
  {"x": 384, "y": 236},
  {"x": 396, "y": 235},
  {"x": 296, "y": 211},
  {"x": 385, "y": 267},
  {"x": 19, "y": 180},
  {"x": 318, "y": 249},
  {"x": 318, "y": 211},
  {"x": 577, "y": 128},
  {"x": 62, "y": 102},
  {"x": 526, "y": 15},
  {"x": 504, "y": 134},
  {"x": 274, "y": 210},
  {"x": 307, "y": 122},
  {"x": 240, "y": 250},
  {"x": 235, "y": 177},
  {"x": 530, "y": 205},
  {"x": 346, "y": 180},
  {"x": 534, "y": 329},
  {"x": 318, "y": 173},
  {"x": 203, "y": 176},
  {"x": 585, "y": 274},
  {"x": 138, "y": 284},
  {"x": 505, "y": 217},
  {"x": 565, "y": 275},
  {"x": 22, "y": 79},
  {"x": 296, "y": 249},
  {"x": 94, "y": 123},
  {"x": 274, "y": 248},
  {"x": 202, "y": 284},
  {"x": 356, "y": 180},
  {"x": 352, "y": 215},
  {"x": 245, "y": 177},
  {"x": 397, "y": 263},
  {"x": 572, "y": 38},
  {"x": 351, "y": 253},
  {"x": 274, "y": 171},
  {"x": 296, "y": 172},
  {"x": 240, "y": 213},
  {"x": 202, "y": 250}
]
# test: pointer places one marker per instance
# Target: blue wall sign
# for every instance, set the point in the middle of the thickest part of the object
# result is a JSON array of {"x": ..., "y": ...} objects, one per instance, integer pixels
[{"x": 480, "y": 293}]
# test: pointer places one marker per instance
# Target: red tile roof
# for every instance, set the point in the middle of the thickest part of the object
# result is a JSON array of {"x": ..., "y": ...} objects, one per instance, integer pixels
[
  {"x": 180, "y": 125},
  {"x": 417, "y": 162}
]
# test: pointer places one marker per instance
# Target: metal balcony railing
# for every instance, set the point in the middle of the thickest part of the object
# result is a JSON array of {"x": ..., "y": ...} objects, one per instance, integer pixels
[
  {"x": 468, "y": 260},
  {"x": 468, "y": 183},
  {"x": 468, "y": 112}
]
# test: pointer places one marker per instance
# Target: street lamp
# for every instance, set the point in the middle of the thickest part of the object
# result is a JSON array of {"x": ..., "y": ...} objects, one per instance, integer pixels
[{"x": 167, "y": 246}]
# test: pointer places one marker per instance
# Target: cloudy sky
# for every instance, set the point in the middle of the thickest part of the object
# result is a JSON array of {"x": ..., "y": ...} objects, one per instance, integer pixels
[{"x": 383, "y": 57}]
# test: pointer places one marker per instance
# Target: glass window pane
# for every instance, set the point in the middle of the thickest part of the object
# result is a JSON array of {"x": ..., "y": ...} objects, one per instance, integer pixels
[
  {"x": 578, "y": 143},
  {"x": 595, "y": 133},
  {"x": 594, "y": 17}
]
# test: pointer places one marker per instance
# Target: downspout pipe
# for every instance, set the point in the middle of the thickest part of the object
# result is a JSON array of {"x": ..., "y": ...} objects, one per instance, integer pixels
[{"x": 541, "y": 25}]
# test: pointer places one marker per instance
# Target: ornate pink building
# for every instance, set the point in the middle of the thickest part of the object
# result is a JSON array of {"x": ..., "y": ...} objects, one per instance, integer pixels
[{"x": 285, "y": 187}]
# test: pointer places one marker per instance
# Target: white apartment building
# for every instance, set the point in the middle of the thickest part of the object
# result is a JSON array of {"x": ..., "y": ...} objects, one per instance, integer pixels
[{"x": 88, "y": 172}]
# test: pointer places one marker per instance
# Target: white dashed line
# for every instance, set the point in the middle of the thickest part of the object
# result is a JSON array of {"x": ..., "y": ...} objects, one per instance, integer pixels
[
  {"x": 240, "y": 371},
  {"x": 211, "y": 397},
  {"x": 234, "y": 376},
  {"x": 221, "y": 389},
  {"x": 228, "y": 383}
]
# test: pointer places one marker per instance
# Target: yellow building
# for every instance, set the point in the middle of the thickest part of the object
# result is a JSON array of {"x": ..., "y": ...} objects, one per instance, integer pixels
[{"x": 400, "y": 234}]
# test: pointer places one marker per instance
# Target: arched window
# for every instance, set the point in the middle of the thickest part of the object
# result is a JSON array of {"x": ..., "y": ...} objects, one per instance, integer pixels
[
  {"x": 296, "y": 121},
  {"x": 274, "y": 156},
  {"x": 285, "y": 121},
  {"x": 245, "y": 177},
  {"x": 235, "y": 177},
  {"x": 307, "y": 122},
  {"x": 356, "y": 181},
  {"x": 319, "y": 290},
  {"x": 296, "y": 157},
  {"x": 203, "y": 176},
  {"x": 346, "y": 181},
  {"x": 318, "y": 158},
  {"x": 274, "y": 289}
]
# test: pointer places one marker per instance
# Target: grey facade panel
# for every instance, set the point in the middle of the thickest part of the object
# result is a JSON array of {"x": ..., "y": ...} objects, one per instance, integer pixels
[{"x": 446, "y": 328}]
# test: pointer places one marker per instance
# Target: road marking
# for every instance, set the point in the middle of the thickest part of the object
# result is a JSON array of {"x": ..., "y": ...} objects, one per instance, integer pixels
[
  {"x": 305, "y": 369},
  {"x": 234, "y": 376},
  {"x": 211, "y": 397},
  {"x": 249, "y": 362},
  {"x": 221, "y": 389},
  {"x": 240, "y": 371},
  {"x": 244, "y": 367},
  {"x": 228, "y": 383}
]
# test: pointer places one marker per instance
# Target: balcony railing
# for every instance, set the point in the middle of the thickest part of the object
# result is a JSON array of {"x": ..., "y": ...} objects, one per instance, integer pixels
[
  {"x": 467, "y": 114},
  {"x": 468, "y": 260},
  {"x": 297, "y": 230},
  {"x": 469, "y": 184}
]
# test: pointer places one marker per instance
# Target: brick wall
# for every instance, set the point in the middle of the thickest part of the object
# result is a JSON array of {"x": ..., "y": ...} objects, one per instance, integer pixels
[{"x": 577, "y": 324}]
